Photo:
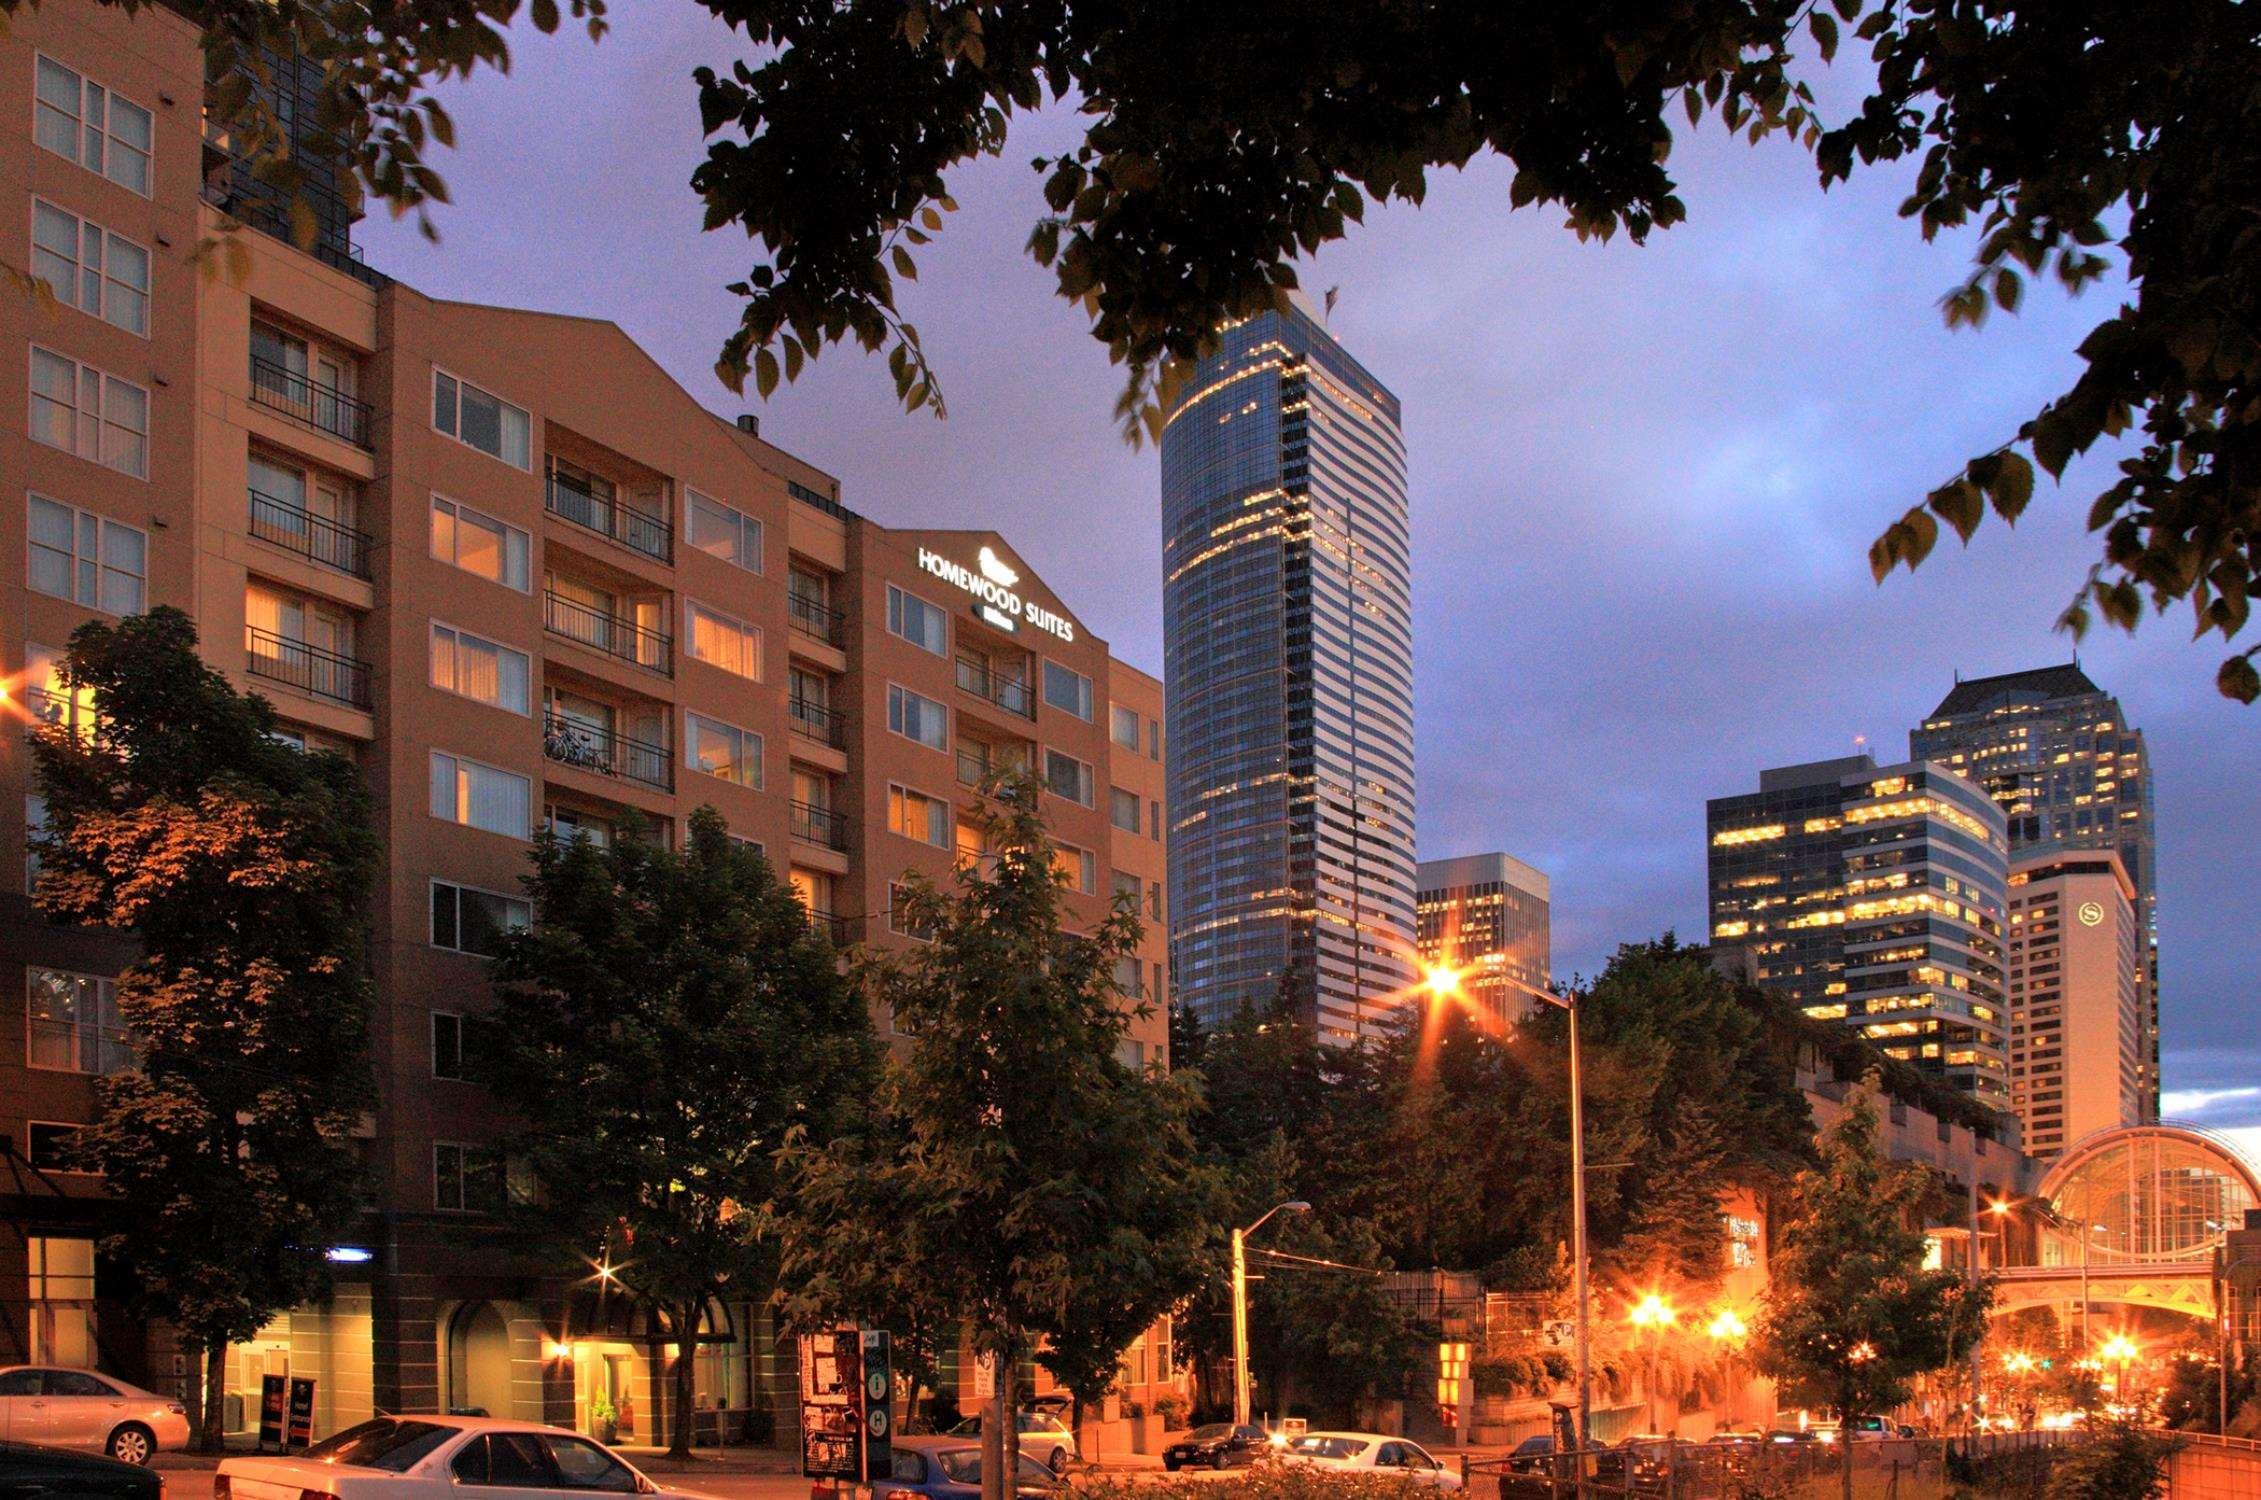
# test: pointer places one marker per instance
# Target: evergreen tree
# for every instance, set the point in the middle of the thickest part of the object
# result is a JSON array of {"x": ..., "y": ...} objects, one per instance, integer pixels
[
  {"x": 242, "y": 867},
  {"x": 669, "y": 1018}
]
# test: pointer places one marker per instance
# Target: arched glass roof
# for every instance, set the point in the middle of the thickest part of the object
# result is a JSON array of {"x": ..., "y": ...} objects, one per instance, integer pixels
[{"x": 2150, "y": 1194}]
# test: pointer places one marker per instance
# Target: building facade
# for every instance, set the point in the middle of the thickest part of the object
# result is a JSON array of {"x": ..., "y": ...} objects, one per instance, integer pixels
[
  {"x": 1287, "y": 615},
  {"x": 2070, "y": 772},
  {"x": 1874, "y": 897},
  {"x": 2077, "y": 1025},
  {"x": 517, "y": 574},
  {"x": 1486, "y": 915}
]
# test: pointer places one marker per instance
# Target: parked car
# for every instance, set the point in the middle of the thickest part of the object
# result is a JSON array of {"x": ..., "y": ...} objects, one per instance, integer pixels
[
  {"x": 1369, "y": 1452},
  {"x": 1864, "y": 1430},
  {"x": 1220, "y": 1445},
  {"x": 1534, "y": 1455},
  {"x": 1045, "y": 1436},
  {"x": 65, "y": 1408},
  {"x": 412, "y": 1458},
  {"x": 32, "y": 1473},
  {"x": 949, "y": 1468}
]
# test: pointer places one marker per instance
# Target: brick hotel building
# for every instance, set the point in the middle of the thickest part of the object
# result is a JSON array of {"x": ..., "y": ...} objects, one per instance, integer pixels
[{"x": 521, "y": 577}]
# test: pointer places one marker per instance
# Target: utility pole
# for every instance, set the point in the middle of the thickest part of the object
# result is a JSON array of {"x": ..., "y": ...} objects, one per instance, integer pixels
[
  {"x": 1240, "y": 1305},
  {"x": 1578, "y": 1244}
]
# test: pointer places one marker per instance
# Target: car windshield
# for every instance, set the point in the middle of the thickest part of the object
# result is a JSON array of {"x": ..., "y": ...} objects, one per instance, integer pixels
[
  {"x": 1211, "y": 1433},
  {"x": 963, "y": 1466},
  {"x": 388, "y": 1443},
  {"x": 1317, "y": 1446}
]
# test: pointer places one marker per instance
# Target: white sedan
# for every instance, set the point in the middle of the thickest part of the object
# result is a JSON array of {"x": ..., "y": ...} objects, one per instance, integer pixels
[
  {"x": 1369, "y": 1453},
  {"x": 66, "y": 1408},
  {"x": 409, "y": 1458}
]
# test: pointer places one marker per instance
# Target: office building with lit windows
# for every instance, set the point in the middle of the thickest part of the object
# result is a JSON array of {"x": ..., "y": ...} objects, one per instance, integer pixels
[
  {"x": 1287, "y": 618},
  {"x": 2076, "y": 1012},
  {"x": 1486, "y": 915},
  {"x": 524, "y": 581},
  {"x": 2070, "y": 772},
  {"x": 1874, "y": 897}
]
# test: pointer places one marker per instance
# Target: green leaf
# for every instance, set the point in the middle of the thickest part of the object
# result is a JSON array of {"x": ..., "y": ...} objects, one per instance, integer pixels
[{"x": 765, "y": 372}]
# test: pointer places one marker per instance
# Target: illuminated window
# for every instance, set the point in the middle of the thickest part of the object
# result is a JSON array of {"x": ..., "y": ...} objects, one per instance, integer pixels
[
  {"x": 720, "y": 641},
  {"x": 480, "y": 670},
  {"x": 478, "y": 543},
  {"x": 723, "y": 750},
  {"x": 1080, "y": 867},
  {"x": 915, "y": 815}
]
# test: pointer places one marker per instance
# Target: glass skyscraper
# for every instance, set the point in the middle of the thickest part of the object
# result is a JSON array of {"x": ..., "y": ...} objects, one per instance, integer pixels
[
  {"x": 2069, "y": 772},
  {"x": 1487, "y": 915},
  {"x": 1287, "y": 615}
]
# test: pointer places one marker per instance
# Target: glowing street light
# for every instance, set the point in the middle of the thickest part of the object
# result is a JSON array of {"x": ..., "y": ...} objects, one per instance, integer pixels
[
  {"x": 1655, "y": 1314},
  {"x": 1442, "y": 982},
  {"x": 1727, "y": 1328},
  {"x": 2121, "y": 1350},
  {"x": 1727, "y": 1331},
  {"x": 2018, "y": 1362}
]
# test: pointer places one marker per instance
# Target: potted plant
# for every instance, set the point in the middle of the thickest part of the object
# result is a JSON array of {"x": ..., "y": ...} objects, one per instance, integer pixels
[{"x": 603, "y": 1419}]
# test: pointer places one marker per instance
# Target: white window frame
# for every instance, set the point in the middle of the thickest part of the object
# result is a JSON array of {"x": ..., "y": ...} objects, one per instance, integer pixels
[
  {"x": 751, "y": 535},
  {"x": 899, "y": 600},
  {"x": 100, "y": 565},
  {"x": 440, "y": 373},
  {"x": 80, "y": 126},
  {"x": 463, "y": 796},
  {"x": 92, "y": 420},
  {"x": 896, "y": 790},
  {"x": 893, "y": 716},
  {"x": 1114, "y": 722},
  {"x": 693, "y": 609},
  {"x": 103, "y": 240},
  {"x": 105, "y": 987},
  {"x": 749, "y": 737},
  {"x": 1115, "y": 794},
  {"x": 1090, "y": 778},
  {"x": 1088, "y": 860},
  {"x": 1090, "y": 691},
  {"x": 455, "y": 658},
  {"x": 433, "y": 885},
  {"x": 75, "y": 712},
  {"x": 460, "y": 510}
]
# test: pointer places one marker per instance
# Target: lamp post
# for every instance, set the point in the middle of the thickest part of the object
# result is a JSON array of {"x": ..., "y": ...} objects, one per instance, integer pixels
[
  {"x": 2121, "y": 1350},
  {"x": 1240, "y": 1304},
  {"x": 1654, "y": 1314}
]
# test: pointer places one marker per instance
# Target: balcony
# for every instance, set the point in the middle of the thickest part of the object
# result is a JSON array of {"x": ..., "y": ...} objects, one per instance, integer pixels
[
  {"x": 299, "y": 530},
  {"x": 585, "y": 747},
  {"x": 310, "y": 669},
  {"x": 634, "y": 529},
  {"x": 841, "y": 930},
  {"x": 1014, "y": 696},
  {"x": 322, "y": 407},
  {"x": 820, "y": 825},
  {"x": 814, "y": 618},
  {"x": 813, "y": 721},
  {"x": 608, "y": 633}
]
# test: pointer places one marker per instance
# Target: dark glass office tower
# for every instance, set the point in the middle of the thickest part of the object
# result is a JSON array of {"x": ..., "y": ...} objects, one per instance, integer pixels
[
  {"x": 2057, "y": 754},
  {"x": 1287, "y": 613}
]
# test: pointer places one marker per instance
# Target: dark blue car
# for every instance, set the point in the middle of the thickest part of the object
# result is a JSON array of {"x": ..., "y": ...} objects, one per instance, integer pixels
[{"x": 949, "y": 1468}]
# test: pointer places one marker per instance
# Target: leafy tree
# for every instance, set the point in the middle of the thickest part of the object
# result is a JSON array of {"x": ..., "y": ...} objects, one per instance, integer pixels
[
  {"x": 242, "y": 866},
  {"x": 2123, "y": 1461},
  {"x": 1038, "y": 1172},
  {"x": 663, "y": 1026},
  {"x": 1222, "y": 142},
  {"x": 1851, "y": 1315}
]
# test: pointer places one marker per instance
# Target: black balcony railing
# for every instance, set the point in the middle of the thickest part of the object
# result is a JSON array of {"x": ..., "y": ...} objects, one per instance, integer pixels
[
  {"x": 814, "y": 618},
  {"x": 319, "y": 406},
  {"x": 309, "y": 535},
  {"x": 813, "y": 721},
  {"x": 632, "y": 528},
  {"x": 1008, "y": 693},
  {"x": 820, "y": 825},
  {"x": 310, "y": 669},
  {"x": 585, "y": 747},
  {"x": 608, "y": 633},
  {"x": 841, "y": 930}
]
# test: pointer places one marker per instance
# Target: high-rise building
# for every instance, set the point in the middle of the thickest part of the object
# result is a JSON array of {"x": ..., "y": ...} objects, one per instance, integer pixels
[
  {"x": 1287, "y": 614},
  {"x": 2057, "y": 752},
  {"x": 1486, "y": 915},
  {"x": 1875, "y": 897},
  {"x": 2076, "y": 1014},
  {"x": 523, "y": 580}
]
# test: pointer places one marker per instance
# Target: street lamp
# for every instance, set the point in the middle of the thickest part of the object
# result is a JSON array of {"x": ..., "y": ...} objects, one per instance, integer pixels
[
  {"x": 1240, "y": 1304},
  {"x": 1655, "y": 1314},
  {"x": 2121, "y": 1350},
  {"x": 1727, "y": 1332}
]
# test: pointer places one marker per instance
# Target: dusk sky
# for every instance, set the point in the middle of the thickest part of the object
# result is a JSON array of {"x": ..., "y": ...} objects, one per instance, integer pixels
[{"x": 1644, "y": 480}]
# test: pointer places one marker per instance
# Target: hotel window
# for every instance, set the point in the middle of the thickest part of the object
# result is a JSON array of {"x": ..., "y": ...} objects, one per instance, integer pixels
[
  {"x": 1126, "y": 884},
  {"x": 478, "y": 543},
  {"x": 1127, "y": 976},
  {"x": 447, "y": 1045},
  {"x": 1068, "y": 690},
  {"x": 62, "y": 1301},
  {"x": 720, "y": 641},
  {"x": 1125, "y": 727},
  {"x": 915, "y": 815},
  {"x": 477, "y": 796},
  {"x": 723, "y": 750},
  {"x": 89, "y": 268},
  {"x": 52, "y": 1147},
  {"x": 1153, "y": 739},
  {"x": 49, "y": 695},
  {"x": 722, "y": 531},
  {"x": 917, "y": 718},
  {"x": 1080, "y": 866},
  {"x": 480, "y": 670},
  {"x": 1153, "y": 819},
  {"x": 478, "y": 420},
  {"x": 573, "y": 823},
  {"x": 467, "y": 1179},
  {"x": 73, "y": 1023},
  {"x": 80, "y": 410},
  {"x": 1065, "y": 776},
  {"x": 917, "y": 621},
  {"x": 899, "y": 919},
  {"x": 1154, "y": 899},
  {"x": 473, "y": 921},
  {"x": 1122, "y": 809},
  {"x": 79, "y": 119},
  {"x": 88, "y": 559}
]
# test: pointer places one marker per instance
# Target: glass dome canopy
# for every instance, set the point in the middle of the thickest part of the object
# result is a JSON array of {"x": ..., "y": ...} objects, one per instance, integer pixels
[{"x": 2150, "y": 1194}]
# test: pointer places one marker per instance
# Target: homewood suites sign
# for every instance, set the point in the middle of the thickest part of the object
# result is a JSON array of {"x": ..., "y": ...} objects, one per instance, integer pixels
[{"x": 992, "y": 584}]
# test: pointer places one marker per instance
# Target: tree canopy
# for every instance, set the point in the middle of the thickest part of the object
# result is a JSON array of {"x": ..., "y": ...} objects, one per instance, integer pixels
[{"x": 1223, "y": 142}]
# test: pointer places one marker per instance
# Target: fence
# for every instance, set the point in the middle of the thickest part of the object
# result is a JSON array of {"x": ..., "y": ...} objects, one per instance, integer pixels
[{"x": 1895, "y": 1469}]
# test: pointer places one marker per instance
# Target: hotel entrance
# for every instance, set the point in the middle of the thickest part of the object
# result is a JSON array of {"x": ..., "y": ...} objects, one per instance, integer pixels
[{"x": 605, "y": 1389}]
